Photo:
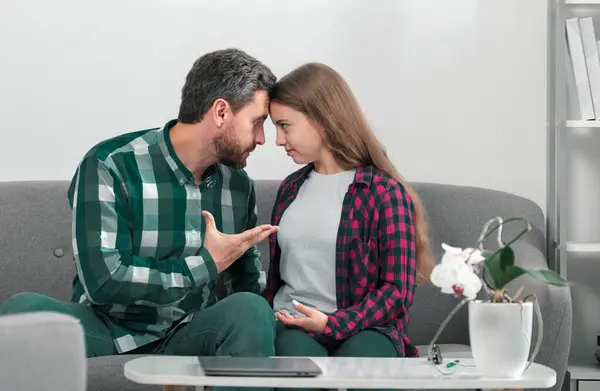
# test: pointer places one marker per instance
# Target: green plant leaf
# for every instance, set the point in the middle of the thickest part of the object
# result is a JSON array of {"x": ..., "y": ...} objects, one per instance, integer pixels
[
  {"x": 548, "y": 276},
  {"x": 487, "y": 276},
  {"x": 501, "y": 268},
  {"x": 490, "y": 268},
  {"x": 510, "y": 274},
  {"x": 507, "y": 258}
]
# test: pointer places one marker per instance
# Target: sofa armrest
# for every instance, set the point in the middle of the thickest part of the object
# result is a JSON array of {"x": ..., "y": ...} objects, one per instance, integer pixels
[
  {"x": 42, "y": 351},
  {"x": 555, "y": 304}
]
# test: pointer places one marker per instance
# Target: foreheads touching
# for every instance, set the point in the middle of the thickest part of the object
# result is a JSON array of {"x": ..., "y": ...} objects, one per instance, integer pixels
[{"x": 228, "y": 92}]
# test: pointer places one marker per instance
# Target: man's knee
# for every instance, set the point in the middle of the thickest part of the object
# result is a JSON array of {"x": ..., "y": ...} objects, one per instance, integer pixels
[
  {"x": 247, "y": 303},
  {"x": 247, "y": 325},
  {"x": 250, "y": 308},
  {"x": 26, "y": 302}
]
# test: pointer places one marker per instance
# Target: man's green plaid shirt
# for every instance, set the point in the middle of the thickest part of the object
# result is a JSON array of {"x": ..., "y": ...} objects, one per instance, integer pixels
[{"x": 137, "y": 235}]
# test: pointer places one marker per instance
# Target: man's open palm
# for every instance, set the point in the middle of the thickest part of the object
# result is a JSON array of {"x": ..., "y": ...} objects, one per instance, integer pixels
[{"x": 225, "y": 249}]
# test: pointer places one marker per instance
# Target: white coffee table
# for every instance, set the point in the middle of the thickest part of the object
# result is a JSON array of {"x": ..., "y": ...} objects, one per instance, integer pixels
[{"x": 177, "y": 372}]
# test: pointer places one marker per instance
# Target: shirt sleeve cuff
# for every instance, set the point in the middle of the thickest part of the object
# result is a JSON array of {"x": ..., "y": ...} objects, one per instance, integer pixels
[
  {"x": 202, "y": 267},
  {"x": 329, "y": 326}
]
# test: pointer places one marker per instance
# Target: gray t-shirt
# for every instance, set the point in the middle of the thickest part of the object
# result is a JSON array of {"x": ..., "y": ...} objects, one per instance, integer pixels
[{"x": 307, "y": 237}]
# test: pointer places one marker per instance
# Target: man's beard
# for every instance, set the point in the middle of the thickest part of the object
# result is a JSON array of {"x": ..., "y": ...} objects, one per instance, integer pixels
[{"x": 229, "y": 150}]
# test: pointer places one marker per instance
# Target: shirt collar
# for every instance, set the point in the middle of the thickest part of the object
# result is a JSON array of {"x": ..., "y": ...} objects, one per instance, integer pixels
[
  {"x": 363, "y": 175},
  {"x": 182, "y": 173}
]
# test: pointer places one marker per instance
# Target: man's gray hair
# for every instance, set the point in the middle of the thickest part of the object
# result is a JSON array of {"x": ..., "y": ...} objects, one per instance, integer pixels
[{"x": 229, "y": 74}]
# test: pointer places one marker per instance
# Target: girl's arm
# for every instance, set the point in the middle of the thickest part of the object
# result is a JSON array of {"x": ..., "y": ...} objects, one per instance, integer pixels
[{"x": 397, "y": 269}]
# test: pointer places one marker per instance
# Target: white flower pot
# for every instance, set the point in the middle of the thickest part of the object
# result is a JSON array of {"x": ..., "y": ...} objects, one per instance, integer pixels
[{"x": 500, "y": 336}]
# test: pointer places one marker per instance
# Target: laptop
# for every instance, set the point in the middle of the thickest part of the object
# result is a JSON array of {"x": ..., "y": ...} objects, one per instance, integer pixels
[{"x": 259, "y": 366}]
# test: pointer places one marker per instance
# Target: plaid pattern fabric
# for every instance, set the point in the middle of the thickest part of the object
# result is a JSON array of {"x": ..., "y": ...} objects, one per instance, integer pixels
[
  {"x": 138, "y": 232},
  {"x": 375, "y": 257}
]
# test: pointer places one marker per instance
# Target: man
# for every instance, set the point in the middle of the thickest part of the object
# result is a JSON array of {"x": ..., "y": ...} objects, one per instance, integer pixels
[{"x": 161, "y": 215}]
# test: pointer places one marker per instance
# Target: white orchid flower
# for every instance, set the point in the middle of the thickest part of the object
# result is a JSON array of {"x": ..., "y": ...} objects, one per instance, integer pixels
[
  {"x": 470, "y": 255},
  {"x": 455, "y": 275}
]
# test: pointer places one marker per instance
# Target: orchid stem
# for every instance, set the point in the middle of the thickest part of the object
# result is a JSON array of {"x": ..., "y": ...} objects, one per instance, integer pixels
[
  {"x": 485, "y": 233},
  {"x": 527, "y": 229},
  {"x": 443, "y": 325}
]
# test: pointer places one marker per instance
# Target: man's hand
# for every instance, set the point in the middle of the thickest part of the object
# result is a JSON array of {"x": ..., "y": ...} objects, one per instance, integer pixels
[
  {"x": 226, "y": 249},
  {"x": 314, "y": 322}
]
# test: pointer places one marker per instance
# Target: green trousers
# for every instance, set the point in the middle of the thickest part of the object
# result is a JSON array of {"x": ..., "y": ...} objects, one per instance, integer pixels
[
  {"x": 367, "y": 343},
  {"x": 242, "y": 324}
]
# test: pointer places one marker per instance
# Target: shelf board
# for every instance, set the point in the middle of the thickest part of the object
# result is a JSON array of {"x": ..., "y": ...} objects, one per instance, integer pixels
[
  {"x": 583, "y": 124},
  {"x": 582, "y": 2},
  {"x": 584, "y": 371},
  {"x": 583, "y": 247}
]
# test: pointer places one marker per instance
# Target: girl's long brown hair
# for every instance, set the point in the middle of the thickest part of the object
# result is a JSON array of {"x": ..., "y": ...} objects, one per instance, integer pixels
[{"x": 320, "y": 93}]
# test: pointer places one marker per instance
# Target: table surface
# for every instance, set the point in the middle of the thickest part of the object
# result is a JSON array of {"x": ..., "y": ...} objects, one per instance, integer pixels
[{"x": 339, "y": 372}]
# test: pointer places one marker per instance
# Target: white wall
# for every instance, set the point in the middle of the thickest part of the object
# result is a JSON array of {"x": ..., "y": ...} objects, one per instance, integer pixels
[{"x": 456, "y": 89}]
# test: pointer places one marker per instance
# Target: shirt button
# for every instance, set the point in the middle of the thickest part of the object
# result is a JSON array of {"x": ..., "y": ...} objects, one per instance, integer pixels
[{"x": 59, "y": 252}]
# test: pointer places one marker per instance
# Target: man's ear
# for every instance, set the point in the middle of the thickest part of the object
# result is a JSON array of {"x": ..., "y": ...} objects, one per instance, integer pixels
[{"x": 220, "y": 110}]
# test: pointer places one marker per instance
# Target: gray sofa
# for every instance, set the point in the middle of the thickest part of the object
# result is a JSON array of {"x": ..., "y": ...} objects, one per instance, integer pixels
[{"x": 36, "y": 256}]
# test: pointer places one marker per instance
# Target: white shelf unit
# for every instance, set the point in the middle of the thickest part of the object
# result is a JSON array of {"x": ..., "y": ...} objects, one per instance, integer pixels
[
  {"x": 564, "y": 121},
  {"x": 584, "y": 376},
  {"x": 576, "y": 123},
  {"x": 564, "y": 126},
  {"x": 583, "y": 247},
  {"x": 575, "y": 2}
]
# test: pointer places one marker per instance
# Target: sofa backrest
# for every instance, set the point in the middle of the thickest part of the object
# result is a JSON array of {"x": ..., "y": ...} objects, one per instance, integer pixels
[{"x": 36, "y": 253}]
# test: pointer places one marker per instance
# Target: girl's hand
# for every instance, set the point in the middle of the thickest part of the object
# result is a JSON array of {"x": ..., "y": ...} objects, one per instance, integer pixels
[{"x": 314, "y": 321}]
